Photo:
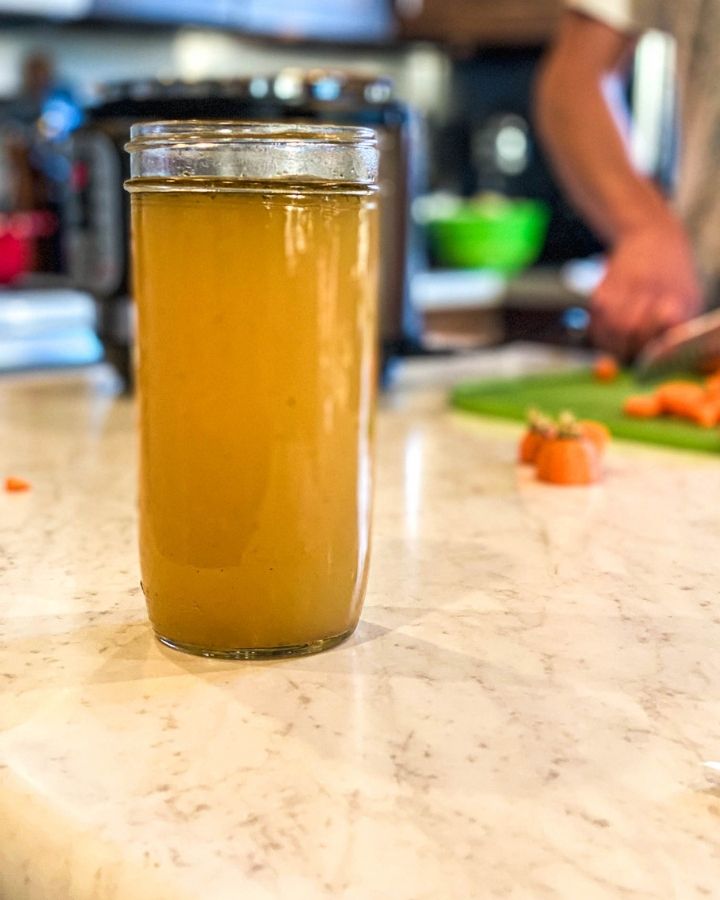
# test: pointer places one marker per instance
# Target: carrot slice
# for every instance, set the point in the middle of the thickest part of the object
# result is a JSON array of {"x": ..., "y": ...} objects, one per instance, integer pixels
[
  {"x": 568, "y": 457},
  {"x": 596, "y": 432},
  {"x": 530, "y": 444},
  {"x": 572, "y": 460},
  {"x": 642, "y": 406},
  {"x": 605, "y": 369},
  {"x": 706, "y": 414},
  {"x": 15, "y": 485},
  {"x": 680, "y": 398},
  {"x": 539, "y": 428},
  {"x": 712, "y": 385}
]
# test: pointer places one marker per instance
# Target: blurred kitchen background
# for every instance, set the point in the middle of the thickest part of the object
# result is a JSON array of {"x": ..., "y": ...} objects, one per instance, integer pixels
[{"x": 479, "y": 246}]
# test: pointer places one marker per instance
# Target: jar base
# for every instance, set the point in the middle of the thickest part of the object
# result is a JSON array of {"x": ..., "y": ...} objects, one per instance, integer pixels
[{"x": 250, "y": 653}]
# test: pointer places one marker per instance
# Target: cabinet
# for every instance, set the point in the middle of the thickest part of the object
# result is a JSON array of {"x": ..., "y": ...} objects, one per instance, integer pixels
[{"x": 471, "y": 23}]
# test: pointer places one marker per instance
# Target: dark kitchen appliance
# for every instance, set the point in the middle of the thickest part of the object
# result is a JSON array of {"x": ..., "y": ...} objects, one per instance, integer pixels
[{"x": 97, "y": 245}]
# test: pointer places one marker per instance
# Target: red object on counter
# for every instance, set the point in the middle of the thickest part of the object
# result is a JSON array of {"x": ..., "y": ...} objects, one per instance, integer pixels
[
  {"x": 14, "y": 256},
  {"x": 18, "y": 233}
]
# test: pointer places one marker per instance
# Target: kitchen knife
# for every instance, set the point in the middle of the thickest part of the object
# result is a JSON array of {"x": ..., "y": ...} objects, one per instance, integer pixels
[{"x": 691, "y": 346}]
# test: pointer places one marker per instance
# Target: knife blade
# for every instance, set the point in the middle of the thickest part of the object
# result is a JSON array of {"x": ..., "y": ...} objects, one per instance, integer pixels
[{"x": 689, "y": 347}]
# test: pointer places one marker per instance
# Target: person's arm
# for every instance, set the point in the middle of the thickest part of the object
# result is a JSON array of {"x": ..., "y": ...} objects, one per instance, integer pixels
[{"x": 651, "y": 282}]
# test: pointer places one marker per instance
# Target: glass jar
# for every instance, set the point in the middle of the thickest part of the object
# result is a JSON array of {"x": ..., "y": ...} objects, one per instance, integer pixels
[{"x": 255, "y": 278}]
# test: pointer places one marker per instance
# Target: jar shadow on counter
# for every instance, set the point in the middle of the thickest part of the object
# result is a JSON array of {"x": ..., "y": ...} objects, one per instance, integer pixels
[{"x": 117, "y": 644}]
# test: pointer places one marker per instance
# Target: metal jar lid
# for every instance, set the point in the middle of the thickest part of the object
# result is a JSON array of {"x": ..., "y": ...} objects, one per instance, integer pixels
[{"x": 255, "y": 152}]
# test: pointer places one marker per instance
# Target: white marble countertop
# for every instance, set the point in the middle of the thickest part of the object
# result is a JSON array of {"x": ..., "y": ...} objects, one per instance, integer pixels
[{"x": 525, "y": 711}]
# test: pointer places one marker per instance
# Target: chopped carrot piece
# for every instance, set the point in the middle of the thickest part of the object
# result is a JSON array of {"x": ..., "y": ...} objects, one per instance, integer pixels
[
  {"x": 530, "y": 445},
  {"x": 568, "y": 461},
  {"x": 642, "y": 406},
  {"x": 15, "y": 485},
  {"x": 539, "y": 428},
  {"x": 712, "y": 385},
  {"x": 596, "y": 432},
  {"x": 605, "y": 369},
  {"x": 707, "y": 413},
  {"x": 680, "y": 398},
  {"x": 695, "y": 402},
  {"x": 568, "y": 458}
]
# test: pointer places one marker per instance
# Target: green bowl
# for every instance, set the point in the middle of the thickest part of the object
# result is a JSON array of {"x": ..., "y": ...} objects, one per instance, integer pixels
[{"x": 506, "y": 235}]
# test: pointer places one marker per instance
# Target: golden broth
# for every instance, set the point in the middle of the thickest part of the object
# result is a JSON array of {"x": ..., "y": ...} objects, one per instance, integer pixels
[{"x": 256, "y": 379}]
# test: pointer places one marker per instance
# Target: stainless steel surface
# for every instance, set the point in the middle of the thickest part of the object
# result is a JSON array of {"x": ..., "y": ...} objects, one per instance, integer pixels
[
  {"x": 97, "y": 250},
  {"x": 262, "y": 152},
  {"x": 688, "y": 347}
]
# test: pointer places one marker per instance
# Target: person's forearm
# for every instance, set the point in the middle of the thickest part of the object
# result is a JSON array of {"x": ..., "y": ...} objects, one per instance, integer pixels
[{"x": 589, "y": 153}]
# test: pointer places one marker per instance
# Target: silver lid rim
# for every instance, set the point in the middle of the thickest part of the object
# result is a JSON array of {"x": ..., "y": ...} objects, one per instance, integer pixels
[{"x": 253, "y": 151}]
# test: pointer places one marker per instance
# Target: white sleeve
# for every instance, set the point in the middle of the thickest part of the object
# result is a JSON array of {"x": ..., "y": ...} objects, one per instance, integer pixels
[{"x": 629, "y": 16}]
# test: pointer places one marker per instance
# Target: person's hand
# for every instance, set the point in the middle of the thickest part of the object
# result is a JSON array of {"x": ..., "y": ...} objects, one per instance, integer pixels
[{"x": 650, "y": 284}]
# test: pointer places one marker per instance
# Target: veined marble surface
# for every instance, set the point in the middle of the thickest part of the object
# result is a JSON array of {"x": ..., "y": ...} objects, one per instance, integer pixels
[{"x": 526, "y": 710}]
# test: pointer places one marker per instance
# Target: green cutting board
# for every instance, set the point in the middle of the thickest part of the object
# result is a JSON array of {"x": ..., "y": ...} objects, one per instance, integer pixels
[{"x": 579, "y": 392}]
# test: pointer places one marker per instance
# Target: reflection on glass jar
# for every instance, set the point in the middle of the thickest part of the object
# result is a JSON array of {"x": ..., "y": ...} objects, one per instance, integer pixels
[{"x": 255, "y": 258}]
